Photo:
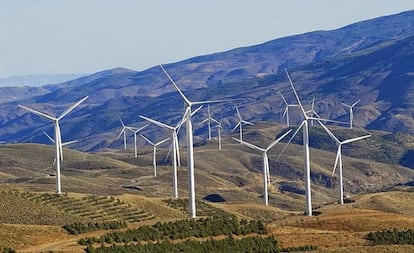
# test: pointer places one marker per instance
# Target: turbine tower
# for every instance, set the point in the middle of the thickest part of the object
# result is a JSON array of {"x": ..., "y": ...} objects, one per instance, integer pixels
[
  {"x": 351, "y": 111},
  {"x": 240, "y": 124},
  {"x": 136, "y": 131},
  {"x": 286, "y": 111},
  {"x": 339, "y": 159},
  {"x": 190, "y": 149},
  {"x": 123, "y": 131},
  {"x": 175, "y": 148},
  {"x": 58, "y": 137},
  {"x": 219, "y": 128},
  {"x": 154, "y": 155},
  {"x": 305, "y": 129},
  {"x": 209, "y": 119},
  {"x": 266, "y": 169}
]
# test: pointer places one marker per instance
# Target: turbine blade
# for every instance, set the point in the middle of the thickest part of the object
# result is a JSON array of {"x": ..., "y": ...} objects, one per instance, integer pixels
[
  {"x": 329, "y": 132},
  {"x": 59, "y": 140},
  {"x": 338, "y": 154},
  {"x": 284, "y": 112},
  {"x": 141, "y": 128},
  {"x": 38, "y": 113},
  {"x": 214, "y": 120},
  {"x": 146, "y": 139},
  {"x": 327, "y": 120},
  {"x": 238, "y": 124},
  {"x": 210, "y": 101},
  {"x": 354, "y": 104},
  {"x": 247, "y": 122},
  {"x": 49, "y": 137},
  {"x": 122, "y": 122},
  {"x": 296, "y": 95},
  {"x": 161, "y": 142},
  {"x": 156, "y": 122},
  {"x": 356, "y": 139},
  {"x": 72, "y": 107},
  {"x": 346, "y": 105},
  {"x": 120, "y": 134},
  {"x": 290, "y": 140},
  {"x": 238, "y": 113},
  {"x": 249, "y": 145},
  {"x": 69, "y": 142},
  {"x": 284, "y": 100},
  {"x": 196, "y": 110},
  {"x": 175, "y": 86},
  {"x": 177, "y": 150},
  {"x": 277, "y": 140}
]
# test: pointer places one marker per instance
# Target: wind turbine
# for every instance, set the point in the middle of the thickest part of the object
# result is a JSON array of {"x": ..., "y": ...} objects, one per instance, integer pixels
[
  {"x": 58, "y": 137},
  {"x": 286, "y": 111},
  {"x": 305, "y": 129},
  {"x": 209, "y": 119},
  {"x": 190, "y": 148},
  {"x": 351, "y": 111},
  {"x": 266, "y": 169},
  {"x": 123, "y": 131},
  {"x": 154, "y": 145},
  {"x": 219, "y": 128},
  {"x": 240, "y": 125},
  {"x": 175, "y": 148},
  {"x": 136, "y": 131},
  {"x": 339, "y": 158}
]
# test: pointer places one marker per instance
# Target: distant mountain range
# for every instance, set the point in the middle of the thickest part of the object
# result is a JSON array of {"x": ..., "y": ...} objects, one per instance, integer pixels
[
  {"x": 370, "y": 60},
  {"x": 36, "y": 80}
]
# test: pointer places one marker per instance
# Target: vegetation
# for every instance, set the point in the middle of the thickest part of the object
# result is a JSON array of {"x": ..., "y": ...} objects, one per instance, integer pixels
[
  {"x": 387, "y": 237},
  {"x": 203, "y": 209},
  {"x": 245, "y": 245},
  {"x": 300, "y": 248},
  {"x": 204, "y": 227},
  {"x": 89, "y": 209},
  {"x": 78, "y": 227},
  {"x": 8, "y": 250}
]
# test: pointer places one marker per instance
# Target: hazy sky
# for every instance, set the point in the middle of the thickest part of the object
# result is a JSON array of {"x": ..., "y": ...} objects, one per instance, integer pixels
[{"x": 74, "y": 36}]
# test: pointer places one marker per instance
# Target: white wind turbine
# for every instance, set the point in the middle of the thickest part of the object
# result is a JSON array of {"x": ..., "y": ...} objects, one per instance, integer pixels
[
  {"x": 266, "y": 169},
  {"x": 136, "y": 131},
  {"x": 209, "y": 119},
  {"x": 351, "y": 111},
  {"x": 339, "y": 159},
  {"x": 123, "y": 132},
  {"x": 190, "y": 148},
  {"x": 286, "y": 111},
  {"x": 305, "y": 129},
  {"x": 58, "y": 137},
  {"x": 240, "y": 125},
  {"x": 175, "y": 148},
  {"x": 154, "y": 155}
]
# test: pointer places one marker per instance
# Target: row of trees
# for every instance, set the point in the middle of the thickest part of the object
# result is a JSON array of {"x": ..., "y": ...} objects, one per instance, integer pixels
[
  {"x": 387, "y": 237},
  {"x": 245, "y": 245},
  {"x": 204, "y": 227},
  {"x": 78, "y": 227}
]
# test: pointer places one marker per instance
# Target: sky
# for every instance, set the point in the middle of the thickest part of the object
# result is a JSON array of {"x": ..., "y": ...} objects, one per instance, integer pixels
[{"x": 79, "y": 37}]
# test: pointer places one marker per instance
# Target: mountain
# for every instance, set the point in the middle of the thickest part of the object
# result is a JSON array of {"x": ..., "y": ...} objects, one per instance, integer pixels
[
  {"x": 37, "y": 80},
  {"x": 370, "y": 60}
]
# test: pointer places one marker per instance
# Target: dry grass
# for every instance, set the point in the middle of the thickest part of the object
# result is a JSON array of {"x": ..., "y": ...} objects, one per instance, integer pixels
[{"x": 20, "y": 236}]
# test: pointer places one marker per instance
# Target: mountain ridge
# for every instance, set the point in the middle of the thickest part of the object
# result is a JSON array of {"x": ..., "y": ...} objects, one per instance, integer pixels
[{"x": 356, "y": 61}]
